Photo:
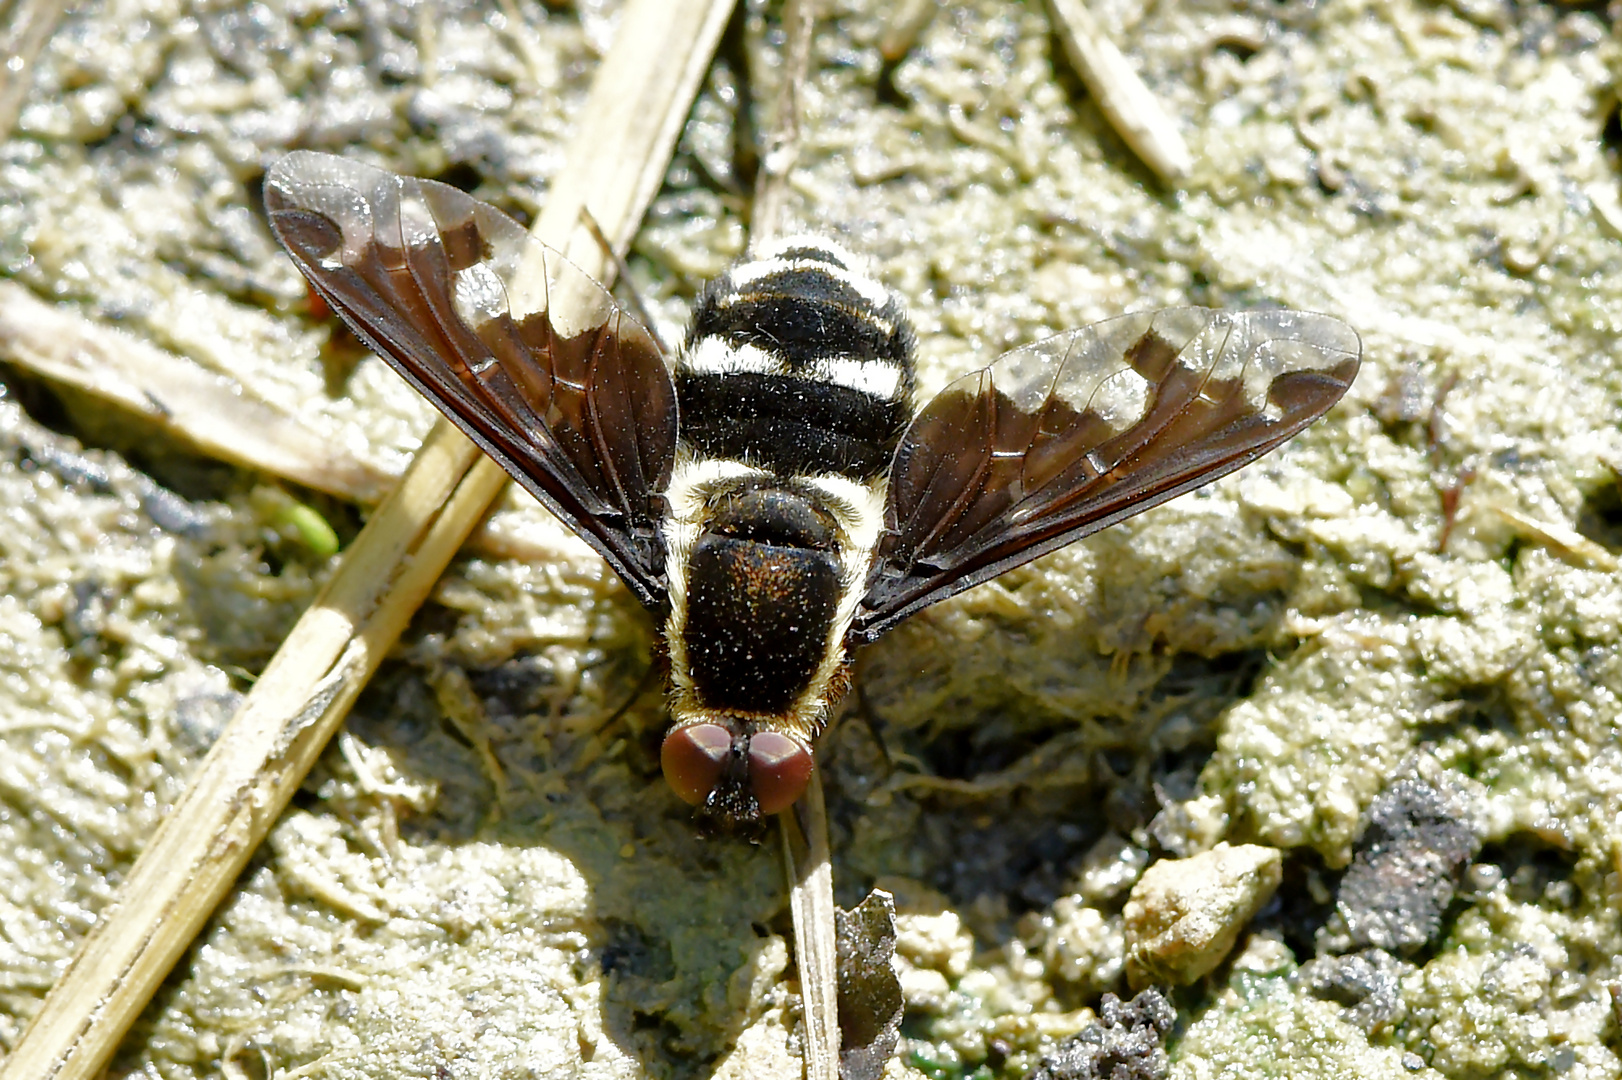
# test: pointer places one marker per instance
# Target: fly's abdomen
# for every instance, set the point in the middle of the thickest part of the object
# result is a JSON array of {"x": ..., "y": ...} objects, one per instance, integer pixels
[
  {"x": 787, "y": 424},
  {"x": 758, "y": 621},
  {"x": 796, "y": 364}
]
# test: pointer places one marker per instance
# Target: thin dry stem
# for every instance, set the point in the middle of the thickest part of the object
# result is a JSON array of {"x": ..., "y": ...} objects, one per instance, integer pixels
[
  {"x": 1566, "y": 542},
  {"x": 640, "y": 99},
  {"x": 781, "y": 147},
  {"x": 180, "y": 397},
  {"x": 1130, "y": 107},
  {"x": 805, "y": 856},
  {"x": 816, "y": 948}
]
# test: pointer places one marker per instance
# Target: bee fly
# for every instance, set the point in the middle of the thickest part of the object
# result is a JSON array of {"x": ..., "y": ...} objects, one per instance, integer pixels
[{"x": 769, "y": 493}]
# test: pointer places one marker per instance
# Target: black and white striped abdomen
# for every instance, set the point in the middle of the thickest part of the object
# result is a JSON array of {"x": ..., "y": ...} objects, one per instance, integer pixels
[{"x": 797, "y": 363}]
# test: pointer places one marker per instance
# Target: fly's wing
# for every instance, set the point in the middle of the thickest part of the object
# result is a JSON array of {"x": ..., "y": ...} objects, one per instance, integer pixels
[
  {"x": 1062, "y": 438},
  {"x": 565, "y": 390}
]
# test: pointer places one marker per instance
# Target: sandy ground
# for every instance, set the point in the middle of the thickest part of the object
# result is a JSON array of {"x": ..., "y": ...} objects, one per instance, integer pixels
[{"x": 474, "y": 882}]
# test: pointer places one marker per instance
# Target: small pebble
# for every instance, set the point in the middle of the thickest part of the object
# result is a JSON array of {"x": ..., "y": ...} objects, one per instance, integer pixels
[{"x": 1184, "y": 915}]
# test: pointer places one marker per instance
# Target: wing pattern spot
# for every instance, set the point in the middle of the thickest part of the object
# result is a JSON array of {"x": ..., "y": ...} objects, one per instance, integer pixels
[
  {"x": 570, "y": 395},
  {"x": 1067, "y": 436}
]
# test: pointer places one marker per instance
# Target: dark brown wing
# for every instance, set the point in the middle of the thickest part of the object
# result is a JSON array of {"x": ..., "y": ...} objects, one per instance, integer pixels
[
  {"x": 1070, "y": 435},
  {"x": 566, "y": 391}
]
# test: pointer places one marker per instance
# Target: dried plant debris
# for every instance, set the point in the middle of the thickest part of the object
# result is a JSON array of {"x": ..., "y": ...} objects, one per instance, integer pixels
[
  {"x": 178, "y": 397},
  {"x": 1130, "y": 106},
  {"x": 1407, "y": 864},
  {"x": 870, "y": 1004},
  {"x": 1125, "y": 1043}
]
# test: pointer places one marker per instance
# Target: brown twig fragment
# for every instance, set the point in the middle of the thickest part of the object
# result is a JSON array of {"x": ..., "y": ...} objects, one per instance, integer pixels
[
  {"x": 1450, "y": 496},
  {"x": 1435, "y": 436}
]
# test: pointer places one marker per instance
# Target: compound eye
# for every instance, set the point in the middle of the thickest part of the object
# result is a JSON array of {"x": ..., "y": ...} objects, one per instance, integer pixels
[
  {"x": 779, "y": 770},
  {"x": 693, "y": 758}
]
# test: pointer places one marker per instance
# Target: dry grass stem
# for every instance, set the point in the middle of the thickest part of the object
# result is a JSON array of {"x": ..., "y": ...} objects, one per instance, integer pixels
[
  {"x": 1566, "y": 542},
  {"x": 189, "y": 402},
  {"x": 641, "y": 97},
  {"x": 1132, "y": 110},
  {"x": 805, "y": 856},
  {"x": 781, "y": 145},
  {"x": 816, "y": 950},
  {"x": 907, "y": 21}
]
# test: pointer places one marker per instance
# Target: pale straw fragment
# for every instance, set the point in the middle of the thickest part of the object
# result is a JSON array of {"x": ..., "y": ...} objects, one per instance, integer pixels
[{"x": 1130, "y": 107}]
